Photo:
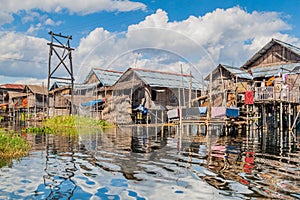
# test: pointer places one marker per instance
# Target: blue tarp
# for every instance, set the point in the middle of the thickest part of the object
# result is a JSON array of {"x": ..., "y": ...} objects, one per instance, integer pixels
[
  {"x": 92, "y": 103},
  {"x": 232, "y": 112}
]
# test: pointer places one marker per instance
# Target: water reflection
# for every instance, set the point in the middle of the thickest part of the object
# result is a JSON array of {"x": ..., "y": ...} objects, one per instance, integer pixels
[{"x": 143, "y": 162}]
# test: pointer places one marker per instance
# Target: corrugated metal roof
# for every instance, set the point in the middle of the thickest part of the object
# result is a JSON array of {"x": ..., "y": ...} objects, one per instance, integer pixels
[
  {"x": 62, "y": 84},
  {"x": 292, "y": 48},
  {"x": 13, "y": 86},
  {"x": 166, "y": 79},
  {"x": 238, "y": 72},
  {"x": 86, "y": 86},
  {"x": 37, "y": 89},
  {"x": 58, "y": 84},
  {"x": 107, "y": 77},
  {"x": 275, "y": 70}
]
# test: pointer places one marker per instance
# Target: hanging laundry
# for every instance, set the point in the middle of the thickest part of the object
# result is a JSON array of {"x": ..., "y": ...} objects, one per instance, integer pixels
[{"x": 249, "y": 97}]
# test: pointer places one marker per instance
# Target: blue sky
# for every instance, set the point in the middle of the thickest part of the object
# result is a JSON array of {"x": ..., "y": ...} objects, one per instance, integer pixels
[{"x": 157, "y": 34}]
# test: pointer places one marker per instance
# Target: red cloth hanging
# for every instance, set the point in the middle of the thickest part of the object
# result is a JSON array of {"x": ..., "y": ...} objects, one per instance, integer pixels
[{"x": 249, "y": 97}]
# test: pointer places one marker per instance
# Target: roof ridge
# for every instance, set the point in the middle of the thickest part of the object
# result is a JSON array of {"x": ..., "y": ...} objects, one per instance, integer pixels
[
  {"x": 285, "y": 43},
  {"x": 107, "y": 70},
  {"x": 162, "y": 72}
]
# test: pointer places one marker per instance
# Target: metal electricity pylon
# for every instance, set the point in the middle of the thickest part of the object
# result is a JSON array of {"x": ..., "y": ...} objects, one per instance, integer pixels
[{"x": 63, "y": 53}]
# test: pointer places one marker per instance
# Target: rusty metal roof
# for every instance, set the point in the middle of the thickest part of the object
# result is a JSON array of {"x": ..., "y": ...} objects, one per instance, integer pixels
[{"x": 12, "y": 86}]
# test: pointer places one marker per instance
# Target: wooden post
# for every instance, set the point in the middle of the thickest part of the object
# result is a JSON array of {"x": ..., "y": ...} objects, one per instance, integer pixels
[
  {"x": 190, "y": 90},
  {"x": 224, "y": 89},
  {"x": 264, "y": 118},
  {"x": 290, "y": 118},
  {"x": 247, "y": 119},
  {"x": 280, "y": 117}
]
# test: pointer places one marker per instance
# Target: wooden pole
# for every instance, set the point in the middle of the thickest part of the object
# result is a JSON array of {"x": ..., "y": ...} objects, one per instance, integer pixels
[
  {"x": 264, "y": 118},
  {"x": 290, "y": 118},
  {"x": 190, "y": 90},
  {"x": 280, "y": 117},
  {"x": 247, "y": 119},
  {"x": 224, "y": 89}
]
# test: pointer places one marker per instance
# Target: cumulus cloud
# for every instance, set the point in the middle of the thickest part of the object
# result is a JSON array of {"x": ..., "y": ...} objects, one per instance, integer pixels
[
  {"x": 72, "y": 6},
  {"x": 228, "y": 36},
  {"x": 50, "y": 22},
  {"x": 197, "y": 44},
  {"x": 34, "y": 28},
  {"x": 22, "y": 56}
]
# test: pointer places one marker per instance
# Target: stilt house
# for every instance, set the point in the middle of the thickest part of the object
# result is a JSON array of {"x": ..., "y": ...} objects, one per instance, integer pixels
[
  {"x": 228, "y": 85},
  {"x": 59, "y": 99},
  {"x": 7, "y": 92},
  {"x": 275, "y": 71},
  {"x": 156, "y": 91},
  {"x": 88, "y": 97},
  {"x": 106, "y": 79},
  {"x": 32, "y": 100}
]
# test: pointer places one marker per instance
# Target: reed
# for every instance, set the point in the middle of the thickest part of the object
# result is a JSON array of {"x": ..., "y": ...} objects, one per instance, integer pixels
[{"x": 12, "y": 145}]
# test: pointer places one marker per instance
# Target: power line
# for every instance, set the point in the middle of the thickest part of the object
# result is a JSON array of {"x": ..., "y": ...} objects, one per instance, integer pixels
[{"x": 21, "y": 60}]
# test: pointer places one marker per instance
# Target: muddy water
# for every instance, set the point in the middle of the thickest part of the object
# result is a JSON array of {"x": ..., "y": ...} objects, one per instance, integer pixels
[{"x": 148, "y": 163}]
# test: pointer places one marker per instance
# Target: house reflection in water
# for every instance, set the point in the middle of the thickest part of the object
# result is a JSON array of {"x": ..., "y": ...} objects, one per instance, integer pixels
[{"x": 143, "y": 153}]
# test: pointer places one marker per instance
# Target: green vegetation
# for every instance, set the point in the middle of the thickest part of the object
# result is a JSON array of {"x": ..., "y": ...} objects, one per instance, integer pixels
[
  {"x": 12, "y": 145},
  {"x": 38, "y": 130},
  {"x": 73, "y": 121},
  {"x": 70, "y": 124}
]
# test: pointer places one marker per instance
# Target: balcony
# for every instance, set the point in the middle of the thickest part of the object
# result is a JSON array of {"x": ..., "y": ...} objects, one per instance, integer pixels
[{"x": 278, "y": 94}]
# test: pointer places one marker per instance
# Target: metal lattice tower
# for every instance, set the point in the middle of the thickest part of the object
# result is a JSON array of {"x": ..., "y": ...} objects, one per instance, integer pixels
[{"x": 63, "y": 53}]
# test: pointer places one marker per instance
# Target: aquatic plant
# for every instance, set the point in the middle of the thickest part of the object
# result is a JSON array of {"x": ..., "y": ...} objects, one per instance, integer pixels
[
  {"x": 38, "y": 130},
  {"x": 67, "y": 124},
  {"x": 75, "y": 121},
  {"x": 12, "y": 145}
]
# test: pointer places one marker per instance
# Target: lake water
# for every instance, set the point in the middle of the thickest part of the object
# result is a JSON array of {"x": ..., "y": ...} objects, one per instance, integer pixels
[{"x": 148, "y": 163}]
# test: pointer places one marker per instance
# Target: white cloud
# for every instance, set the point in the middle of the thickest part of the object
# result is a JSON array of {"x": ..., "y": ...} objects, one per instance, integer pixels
[
  {"x": 228, "y": 36},
  {"x": 5, "y": 17},
  {"x": 198, "y": 43},
  {"x": 73, "y": 6},
  {"x": 50, "y": 22},
  {"x": 34, "y": 28},
  {"x": 23, "y": 56},
  {"x": 31, "y": 16},
  {"x": 33, "y": 81}
]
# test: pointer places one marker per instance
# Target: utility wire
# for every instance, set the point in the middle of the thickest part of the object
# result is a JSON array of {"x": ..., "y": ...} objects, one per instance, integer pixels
[{"x": 21, "y": 60}]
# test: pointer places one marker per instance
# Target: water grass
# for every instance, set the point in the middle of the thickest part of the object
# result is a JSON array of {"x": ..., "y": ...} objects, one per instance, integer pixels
[
  {"x": 70, "y": 124},
  {"x": 12, "y": 145},
  {"x": 74, "y": 121}
]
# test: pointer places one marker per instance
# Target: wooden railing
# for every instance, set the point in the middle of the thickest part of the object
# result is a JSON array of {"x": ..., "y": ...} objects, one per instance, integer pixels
[{"x": 283, "y": 94}]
